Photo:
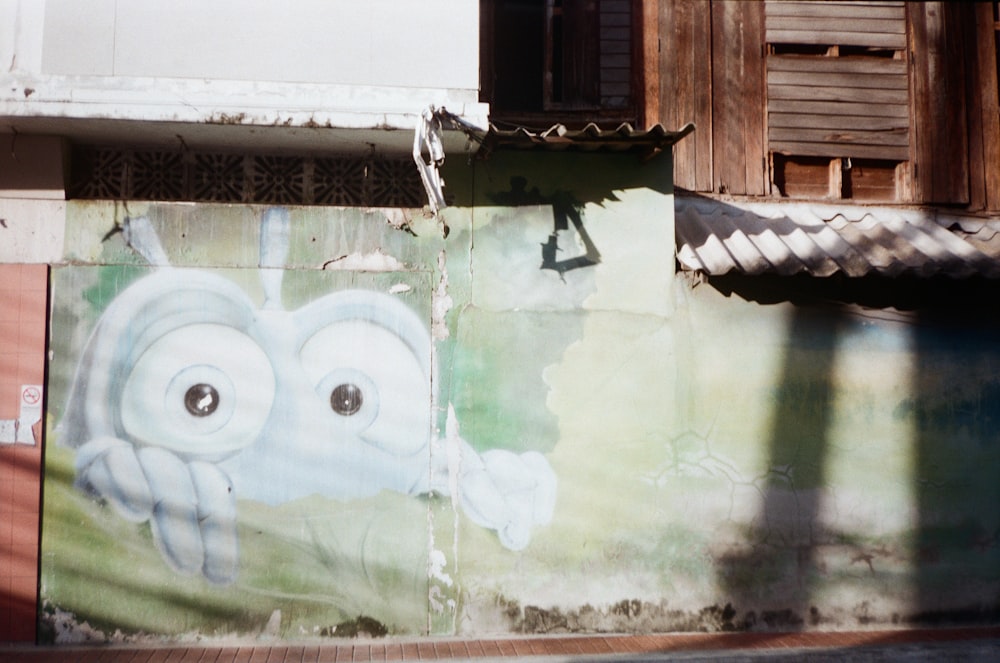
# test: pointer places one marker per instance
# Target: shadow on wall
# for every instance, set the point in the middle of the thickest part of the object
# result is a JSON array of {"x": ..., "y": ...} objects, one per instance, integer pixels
[
  {"x": 566, "y": 210},
  {"x": 953, "y": 552},
  {"x": 787, "y": 532},
  {"x": 593, "y": 177},
  {"x": 956, "y": 410}
]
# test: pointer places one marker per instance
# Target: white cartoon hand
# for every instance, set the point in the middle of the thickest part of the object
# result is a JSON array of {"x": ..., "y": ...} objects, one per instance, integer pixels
[
  {"x": 190, "y": 506},
  {"x": 170, "y": 385},
  {"x": 504, "y": 491}
]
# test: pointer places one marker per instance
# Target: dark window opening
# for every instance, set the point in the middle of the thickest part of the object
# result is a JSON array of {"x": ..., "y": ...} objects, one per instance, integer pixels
[
  {"x": 871, "y": 52},
  {"x": 799, "y": 49},
  {"x": 555, "y": 52},
  {"x": 559, "y": 61}
]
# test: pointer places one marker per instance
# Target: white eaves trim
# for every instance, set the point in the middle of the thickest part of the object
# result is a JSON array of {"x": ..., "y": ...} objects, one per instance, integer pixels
[{"x": 29, "y": 100}]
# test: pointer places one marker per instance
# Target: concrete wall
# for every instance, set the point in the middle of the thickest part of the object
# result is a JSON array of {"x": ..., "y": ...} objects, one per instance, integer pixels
[
  {"x": 353, "y": 516},
  {"x": 612, "y": 447}
]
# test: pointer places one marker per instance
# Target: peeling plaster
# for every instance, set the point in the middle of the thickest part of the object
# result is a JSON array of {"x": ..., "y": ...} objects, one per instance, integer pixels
[
  {"x": 441, "y": 302},
  {"x": 375, "y": 261},
  {"x": 437, "y": 563},
  {"x": 400, "y": 219}
]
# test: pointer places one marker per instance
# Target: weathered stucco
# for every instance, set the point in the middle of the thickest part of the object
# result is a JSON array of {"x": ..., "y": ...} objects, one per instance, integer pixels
[{"x": 720, "y": 463}]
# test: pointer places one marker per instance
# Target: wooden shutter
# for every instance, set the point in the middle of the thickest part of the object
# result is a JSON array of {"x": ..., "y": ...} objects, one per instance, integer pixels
[{"x": 837, "y": 80}]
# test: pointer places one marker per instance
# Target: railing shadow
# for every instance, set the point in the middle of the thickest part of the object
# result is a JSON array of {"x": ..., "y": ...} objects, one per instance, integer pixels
[
  {"x": 951, "y": 544},
  {"x": 782, "y": 542}
]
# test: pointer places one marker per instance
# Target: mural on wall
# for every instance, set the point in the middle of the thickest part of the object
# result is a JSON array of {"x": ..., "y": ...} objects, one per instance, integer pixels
[
  {"x": 189, "y": 399},
  {"x": 722, "y": 462}
]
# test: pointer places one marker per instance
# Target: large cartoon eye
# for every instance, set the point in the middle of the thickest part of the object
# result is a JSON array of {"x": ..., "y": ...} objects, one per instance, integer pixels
[
  {"x": 372, "y": 382},
  {"x": 201, "y": 400},
  {"x": 352, "y": 396},
  {"x": 346, "y": 399},
  {"x": 199, "y": 389}
]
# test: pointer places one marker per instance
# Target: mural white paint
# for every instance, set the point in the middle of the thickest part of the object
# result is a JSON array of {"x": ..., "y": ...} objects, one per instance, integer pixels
[
  {"x": 722, "y": 463},
  {"x": 188, "y": 397}
]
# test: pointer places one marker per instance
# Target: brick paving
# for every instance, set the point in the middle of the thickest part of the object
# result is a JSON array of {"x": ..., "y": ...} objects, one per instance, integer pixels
[{"x": 500, "y": 647}]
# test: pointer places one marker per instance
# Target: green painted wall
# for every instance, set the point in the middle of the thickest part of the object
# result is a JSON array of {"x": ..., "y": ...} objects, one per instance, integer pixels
[{"x": 716, "y": 463}]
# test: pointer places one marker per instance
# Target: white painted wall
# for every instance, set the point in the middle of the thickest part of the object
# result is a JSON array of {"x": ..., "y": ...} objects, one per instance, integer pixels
[
  {"x": 404, "y": 43},
  {"x": 332, "y": 64}
]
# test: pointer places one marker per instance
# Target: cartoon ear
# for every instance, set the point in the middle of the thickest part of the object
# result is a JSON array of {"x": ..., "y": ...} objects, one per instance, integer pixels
[
  {"x": 367, "y": 355},
  {"x": 166, "y": 328}
]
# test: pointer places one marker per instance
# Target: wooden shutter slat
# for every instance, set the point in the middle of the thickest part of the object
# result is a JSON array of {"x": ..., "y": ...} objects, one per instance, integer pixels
[
  {"x": 837, "y": 122},
  {"x": 846, "y": 137},
  {"x": 842, "y": 38},
  {"x": 849, "y": 94},
  {"x": 819, "y": 80},
  {"x": 838, "y": 65},
  {"x": 836, "y": 24},
  {"x": 889, "y": 153},
  {"x": 838, "y": 108},
  {"x": 779, "y": 10}
]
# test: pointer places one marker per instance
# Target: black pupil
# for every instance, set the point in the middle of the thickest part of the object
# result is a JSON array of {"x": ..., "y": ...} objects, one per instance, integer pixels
[
  {"x": 346, "y": 399},
  {"x": 201, "y": 400}
]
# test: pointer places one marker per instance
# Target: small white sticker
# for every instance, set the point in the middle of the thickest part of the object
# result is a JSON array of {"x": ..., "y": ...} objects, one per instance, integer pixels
[{"x": 31, "y": 412}]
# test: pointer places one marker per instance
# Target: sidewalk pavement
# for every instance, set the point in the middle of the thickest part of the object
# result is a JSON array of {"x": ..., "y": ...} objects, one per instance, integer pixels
[{"x": 966, "y": 644}]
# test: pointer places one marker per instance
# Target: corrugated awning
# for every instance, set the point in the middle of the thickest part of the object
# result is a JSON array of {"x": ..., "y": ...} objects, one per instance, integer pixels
[
  {"x": 717, "y": 237},
  {"x": 590, "y": 138}
]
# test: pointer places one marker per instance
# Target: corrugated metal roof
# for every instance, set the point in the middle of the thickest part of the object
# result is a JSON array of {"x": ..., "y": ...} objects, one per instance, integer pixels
[
  {"x": 590, "y": 138},
  {"x": 717, "y": 237}
]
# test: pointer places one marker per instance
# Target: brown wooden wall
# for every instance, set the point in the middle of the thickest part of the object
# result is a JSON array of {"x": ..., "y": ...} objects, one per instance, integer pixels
[
  {"x": 979, "y": 36},
  {"x": 712, "y": 70},
  {"x": 712, "y": 74}
]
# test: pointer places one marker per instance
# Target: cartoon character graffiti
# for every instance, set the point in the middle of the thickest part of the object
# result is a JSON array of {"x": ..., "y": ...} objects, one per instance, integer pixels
[{"x": 188, "y": 397}]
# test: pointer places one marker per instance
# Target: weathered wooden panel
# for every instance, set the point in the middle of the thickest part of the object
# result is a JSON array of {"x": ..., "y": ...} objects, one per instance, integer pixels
[
  {"x": 837, "y": 24},
  {"x": 835, "y": 122},
  {"x": 983, "y": 106},
  {"x": 853, "y": 137},
  {"x": 646, "y": 73},
  {"x": 738, "y": 101},
  {"x": 754, "y": 96},
  {"x": 824, "y": 79},
  {"x": 834, "y": 93},
  {"x": 836, "y": 38},
  {"x": 940, "y": 145},
  {"x": 859, "y": 24},
  {"x": 727, "y": 75},
  {"x": 851, "y": 106},
  {"x": 846, "y": 149},
  {"x": 802, "y": 177},
  {"x": 840, "y": 109},
  {"x": 870, "y": 180},
  {"x": 882, "y": 10},
  {"x": 686, "y": 88},
  {"x": 837, "y": 65},
  {"x": 856, "y": 23}
]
